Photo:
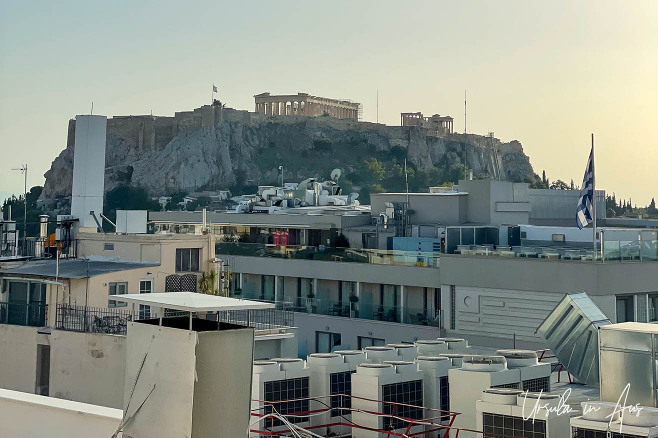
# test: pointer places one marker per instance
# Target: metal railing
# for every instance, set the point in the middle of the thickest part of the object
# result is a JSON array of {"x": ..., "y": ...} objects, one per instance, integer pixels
[
  {"x": 320, "y": 253},
  {"x": 114, "y": 321},
  {"x": 31, "y": 315},
  {"x": 73, "y": 318}
]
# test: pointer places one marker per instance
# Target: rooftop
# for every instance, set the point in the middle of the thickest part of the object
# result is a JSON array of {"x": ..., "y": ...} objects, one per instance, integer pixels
[{"x": 79, "y": 268}]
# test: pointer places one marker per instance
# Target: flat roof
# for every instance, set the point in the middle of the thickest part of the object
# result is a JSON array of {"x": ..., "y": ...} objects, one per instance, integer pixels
[
  {"x": 79, "y": 268},
  {"x": 192, "y": 301}
]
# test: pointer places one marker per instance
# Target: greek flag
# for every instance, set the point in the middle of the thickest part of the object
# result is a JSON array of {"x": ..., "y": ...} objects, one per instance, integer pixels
[
  {"x": 214, "y": 88},
  {"x": 585, "y": 211}
]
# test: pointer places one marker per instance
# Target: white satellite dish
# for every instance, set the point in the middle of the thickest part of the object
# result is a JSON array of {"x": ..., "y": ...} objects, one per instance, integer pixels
[{"x": 335, "y": 174}]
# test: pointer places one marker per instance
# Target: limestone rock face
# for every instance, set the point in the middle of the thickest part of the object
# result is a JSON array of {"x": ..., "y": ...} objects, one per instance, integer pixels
[{"x": 207, "y": 149}]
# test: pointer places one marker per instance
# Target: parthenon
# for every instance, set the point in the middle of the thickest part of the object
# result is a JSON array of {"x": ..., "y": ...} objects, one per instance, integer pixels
[
  {"x": 436, "y": 124},
  {"x": 303, "y": 104}
]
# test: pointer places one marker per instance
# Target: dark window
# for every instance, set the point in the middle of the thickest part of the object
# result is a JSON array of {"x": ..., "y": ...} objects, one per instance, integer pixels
[
  {"x": 444, "y": 391},
  {"x": 453, "y": 310},
  {"x": 326, "y": 341},
  {"x": 625, "y": 308},
  {"x": 288, "y": 394},
  {"x": 341, "y": 386},
  {"x": 410, "y": 395},
  {"x": 577, "y": 432},
  {"x": 187, "y": 259},
  {"x": 536, "y": 385},
  {"x": 43, "y": 370},
  {"x": 365, "y": 341},
  {"x": 117, "y": 289},
  {"x": 653, "y": 308},
  {"x": 108, "y": 247},
  {"x": 503, "y": 426},
  {"x": 507, "y": 386},
  {"x": 145, "y": 287}
]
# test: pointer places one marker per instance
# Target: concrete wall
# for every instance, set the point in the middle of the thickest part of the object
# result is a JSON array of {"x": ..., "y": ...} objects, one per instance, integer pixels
[
  {"x": 33, "y": 416},
  {"x": 429, "y": 208},
  {"x": 18, "y": 358},
  {"x": 87, "y": 367}
]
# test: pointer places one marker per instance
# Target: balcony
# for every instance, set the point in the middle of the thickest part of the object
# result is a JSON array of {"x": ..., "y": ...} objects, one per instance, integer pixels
[
  {"x": 346, "y": 255},
  {"x": 29, "y": 315}
]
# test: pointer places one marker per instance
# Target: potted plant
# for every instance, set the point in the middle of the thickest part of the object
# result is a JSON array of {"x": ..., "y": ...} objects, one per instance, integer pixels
[{"x": 354, "y": 312}]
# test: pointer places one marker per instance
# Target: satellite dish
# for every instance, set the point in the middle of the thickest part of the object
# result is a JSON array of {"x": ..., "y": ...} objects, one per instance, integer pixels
[{"x": 335, "y": 174}]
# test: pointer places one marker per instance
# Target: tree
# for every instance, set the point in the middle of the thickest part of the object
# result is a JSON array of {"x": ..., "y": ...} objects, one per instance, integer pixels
[
  {"x": 207, "y": 283},
  {"x": 651, "y": 209},
  {"x": 126, "y": 198},
  {"x": 374, "y": 170},
  {"x": 558, "y": 185}
]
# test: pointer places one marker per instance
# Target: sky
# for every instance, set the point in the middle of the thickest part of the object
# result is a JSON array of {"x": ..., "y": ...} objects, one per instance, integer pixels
[{"x": 547, "y": 74}]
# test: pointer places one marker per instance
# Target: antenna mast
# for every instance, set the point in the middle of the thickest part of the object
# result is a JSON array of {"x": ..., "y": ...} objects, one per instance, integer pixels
[
  {"x": 377, "y": 105},
  {"x": 464, "y": 111}
]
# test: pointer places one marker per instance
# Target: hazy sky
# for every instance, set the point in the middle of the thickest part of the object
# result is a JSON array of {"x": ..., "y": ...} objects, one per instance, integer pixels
[{"x": 545, "y": 73}]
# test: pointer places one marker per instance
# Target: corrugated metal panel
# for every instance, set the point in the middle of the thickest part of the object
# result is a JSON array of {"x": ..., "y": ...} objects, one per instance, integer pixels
[{"x": 571, "y": 332}]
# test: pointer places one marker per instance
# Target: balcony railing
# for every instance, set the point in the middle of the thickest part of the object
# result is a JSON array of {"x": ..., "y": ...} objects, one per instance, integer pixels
[
  {"x": 319, "y": 253},
  {"x": 32, "y": 315},
  {"x": 114, "y": 321}
]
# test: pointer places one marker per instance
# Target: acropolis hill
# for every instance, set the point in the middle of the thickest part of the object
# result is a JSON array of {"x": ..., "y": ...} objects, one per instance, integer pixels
[{"x": 211, "y": 147}]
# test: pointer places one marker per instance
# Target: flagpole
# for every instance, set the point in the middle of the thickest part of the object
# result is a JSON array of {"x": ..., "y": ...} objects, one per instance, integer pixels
[{"x": 593, "y": 202}]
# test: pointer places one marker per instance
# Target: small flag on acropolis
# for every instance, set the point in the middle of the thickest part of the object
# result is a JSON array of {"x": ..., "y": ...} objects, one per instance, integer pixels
[
  {"x": 214, "y": 89},
  {"x": 584, "y": 212}
]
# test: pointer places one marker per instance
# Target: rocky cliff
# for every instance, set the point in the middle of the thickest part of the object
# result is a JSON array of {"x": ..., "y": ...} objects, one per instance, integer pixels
[{"x": 215, "y": 148}]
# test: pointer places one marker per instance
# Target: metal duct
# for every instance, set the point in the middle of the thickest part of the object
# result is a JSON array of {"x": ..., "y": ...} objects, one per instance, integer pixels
[{"x": 571, "y": 332}]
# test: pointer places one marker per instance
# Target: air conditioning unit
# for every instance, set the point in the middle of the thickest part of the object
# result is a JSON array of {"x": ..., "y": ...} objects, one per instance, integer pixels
[
  {"x": 456, "y": 345},
  {"x": 331, "y": 375},
  {"x": 395, "y": 389},
  {"x": 508, "y": 412},
  {"x": 431, "y": 347},
  {"x": 435, "y": 386},
  {"x": 535, "y": 376},
  {"x": 406, "y": 352},
  {"x": 281, "y": 384},
  {"x": 455, "y": 358},
  {"x": 477, "y": 374},
  {"x": 602, "y": 419},
  {"x": 377, "y": 354}
]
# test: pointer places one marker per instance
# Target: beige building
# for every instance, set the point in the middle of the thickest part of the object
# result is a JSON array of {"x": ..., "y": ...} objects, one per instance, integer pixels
[
  {"x": 436, "y": 124},
  {"x": 303, "y": 104}
]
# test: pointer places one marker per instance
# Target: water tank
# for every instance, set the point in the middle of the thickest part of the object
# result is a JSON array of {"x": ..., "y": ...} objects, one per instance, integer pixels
[
  {"x": 484, "y": 363},
  {"x": 431, "y": 347},
  {"x": 289, "y": 363},
  {"x": 375, "y": 369},
  {"x": 380, "y": 354},
  {"x": 519, "y": 358}
]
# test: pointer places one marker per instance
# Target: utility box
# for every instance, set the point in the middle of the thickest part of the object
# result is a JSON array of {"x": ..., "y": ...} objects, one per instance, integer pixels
[
  {"x": 628, "y": 353},
  {"x": 131, "y": 221}
]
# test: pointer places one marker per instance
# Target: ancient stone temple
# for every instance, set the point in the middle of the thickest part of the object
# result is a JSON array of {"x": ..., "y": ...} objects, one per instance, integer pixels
[
  {"x": 303, "y": 104},
  {"x": 436, "y": 124}
]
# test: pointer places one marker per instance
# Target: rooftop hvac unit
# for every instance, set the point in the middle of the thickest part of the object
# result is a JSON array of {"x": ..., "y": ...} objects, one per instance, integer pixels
[
  {"x": 571, "y": 332},
  {"x": 509, "y": 412},
  {"x": 352, "y": 357},
  {"x": 455, "y": 358},
  {"x": 435, "y": 385},
  {"x": 377, "y": 387},
  {"x": 477, "y": 374},
  {"x": 456, "y": 345},
  {"x": 331, "y": 375},
  {"x": 602, "y": 419},
  {"x": 431, "y": 347},
  {"x": 285, "y": 384},
  {"x": 535, "y": 376},
  {"x": 405, "y": 351},
  {"x": 380, "y": 354},
  {"x": 627, "y": 354}
]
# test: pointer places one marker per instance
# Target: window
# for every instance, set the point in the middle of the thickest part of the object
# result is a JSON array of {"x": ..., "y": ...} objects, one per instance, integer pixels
[
  {"x": 410, "y": 395},
  {"x": 625, "y": 308},
  {"x": 117, "y": 289},
  {"x": 507, "y": 386},
  {"x": 187, "y": 259},
  {"x": 502, "y": 426},
  {"x": 108, "y": 247},
  {"x": 444, "y": 398},
  {"x": 537, "y": 385},
  {"x": 341, "y": 383},
  {"x": 145, "y": 287},
  {"x": 453, "y": 310},
  {"x": 43, "y": 370},
  {"x": 326, "y": 341},
  {"x": 283, "y": 391},
  {"x": 365, "y": 341},
  {"x": 653, "y": 307}
]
